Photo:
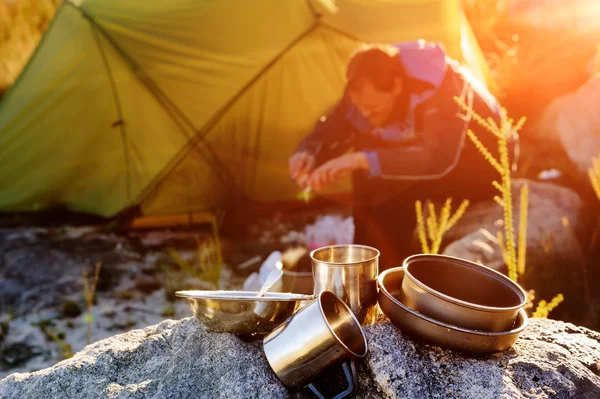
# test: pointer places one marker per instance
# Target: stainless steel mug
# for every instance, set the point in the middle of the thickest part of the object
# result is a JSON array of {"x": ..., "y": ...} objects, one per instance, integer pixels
[
  {"x": 350, "y": 272},
  {"x": 323, "y": 333}
]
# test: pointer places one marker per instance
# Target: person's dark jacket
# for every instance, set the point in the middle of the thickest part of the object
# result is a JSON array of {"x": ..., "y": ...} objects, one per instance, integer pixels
[{"x": 427, "y": 140}]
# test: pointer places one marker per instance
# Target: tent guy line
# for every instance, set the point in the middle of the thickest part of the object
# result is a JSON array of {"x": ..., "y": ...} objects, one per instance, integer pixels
[
  {"x": 195, "y": 140},
  {"x": 121, "y": 121}
]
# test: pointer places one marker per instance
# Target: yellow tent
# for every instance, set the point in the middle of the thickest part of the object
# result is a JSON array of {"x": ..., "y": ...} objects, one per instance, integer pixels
[{"x": 178, "y": 106}]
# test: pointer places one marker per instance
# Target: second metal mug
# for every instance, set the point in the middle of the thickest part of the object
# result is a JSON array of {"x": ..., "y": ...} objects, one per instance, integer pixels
[
  {"x": 350, "y": 272},
  {"x": 323, "y": 333}
]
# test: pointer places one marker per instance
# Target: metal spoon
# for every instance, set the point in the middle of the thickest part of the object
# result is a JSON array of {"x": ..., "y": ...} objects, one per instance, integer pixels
[{"x": 272, "y": 278}]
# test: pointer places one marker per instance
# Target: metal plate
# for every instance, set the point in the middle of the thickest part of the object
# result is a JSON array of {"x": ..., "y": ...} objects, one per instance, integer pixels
[
  {"x": 243, "y": 296},
  {"x": 241, "y": 312}
]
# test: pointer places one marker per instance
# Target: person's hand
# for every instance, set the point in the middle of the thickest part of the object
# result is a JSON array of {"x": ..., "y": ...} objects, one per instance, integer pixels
[
  {"x": 337, "y": 168},
  {"x": 301, "y": 165}
]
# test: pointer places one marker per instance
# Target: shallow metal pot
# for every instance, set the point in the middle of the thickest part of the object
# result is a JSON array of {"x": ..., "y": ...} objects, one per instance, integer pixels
[
  {"x": 420, "y": 326},
  {"x": 241, "y": 312},
  {"x": 462, "y": 293},
  {"x": 323, "y": 333}
]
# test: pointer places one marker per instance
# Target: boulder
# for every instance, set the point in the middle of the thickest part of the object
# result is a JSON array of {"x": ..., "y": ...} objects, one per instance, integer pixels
[
  {"x": 171, "y": 359},
  {"x": 183, "y": 360},
  {"x": 540, "y": 38},
  {"x": 555, "y": 263},
  {"x": 540, "y": 365},
  {"x": 577, "y": 16},
  {"x": 572, "y": 122}
]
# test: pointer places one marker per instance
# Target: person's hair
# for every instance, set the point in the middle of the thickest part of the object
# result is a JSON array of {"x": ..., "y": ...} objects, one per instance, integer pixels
[{"x": 378, "y": 64}]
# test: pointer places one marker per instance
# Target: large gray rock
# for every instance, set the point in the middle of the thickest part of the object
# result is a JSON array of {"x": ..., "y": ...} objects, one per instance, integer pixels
[
  {"x": 572, "y": 122},
  {"x": 168, "y": 360},
  {"x": 183, "y": 360},
  {"x": 550, "y": 35},
  {"x": 575, "y": 16},
  {"x": 555, "y": 261},
  {"x": 551, "y": 359},
  {"x": 555, "y": 215}
]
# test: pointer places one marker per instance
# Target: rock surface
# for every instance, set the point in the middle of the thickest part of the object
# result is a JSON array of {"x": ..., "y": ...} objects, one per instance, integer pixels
[
  {"x": 551, "y": 359},
  {"x": 555, "y": 259},
  {"x": 572, "y": 122},
  {"x": 182, "y": 360}
]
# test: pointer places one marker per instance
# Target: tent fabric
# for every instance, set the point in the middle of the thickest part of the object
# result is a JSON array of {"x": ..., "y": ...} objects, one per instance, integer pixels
[{"x": 182, "y": 105}]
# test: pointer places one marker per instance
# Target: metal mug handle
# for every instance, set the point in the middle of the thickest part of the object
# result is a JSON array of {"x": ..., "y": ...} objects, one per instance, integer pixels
[{"x": 349, "y": 373}]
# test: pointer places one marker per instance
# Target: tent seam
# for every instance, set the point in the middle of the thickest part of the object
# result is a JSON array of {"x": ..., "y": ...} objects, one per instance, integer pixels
[
  {"x": 201, "y": 133},
  {"x": 121, "y": 122},
  {"x": 171, "y": 108}
]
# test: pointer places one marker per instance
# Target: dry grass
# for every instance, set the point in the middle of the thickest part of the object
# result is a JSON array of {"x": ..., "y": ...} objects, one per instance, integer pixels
[
  {"x": 209, "y": 256},
  {"x": 89, "y": 290},
  {"x": 513, "y": 257},
  {"x": 22, "y": 24},
  {"x": 434, "y": 226},
  {"x": 503, "y": 132}
]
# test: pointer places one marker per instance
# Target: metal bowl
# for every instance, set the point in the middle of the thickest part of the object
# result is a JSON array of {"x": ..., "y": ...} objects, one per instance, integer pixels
[
  {"x": 430, "y": 330},
  {"x": 462, "y": 293},
  {"x": 241, "y": 312},
  {"x": 300, "y": 282}
]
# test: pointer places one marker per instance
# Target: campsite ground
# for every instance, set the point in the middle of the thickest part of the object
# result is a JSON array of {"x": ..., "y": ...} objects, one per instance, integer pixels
[{"x": 43, "y": 310}]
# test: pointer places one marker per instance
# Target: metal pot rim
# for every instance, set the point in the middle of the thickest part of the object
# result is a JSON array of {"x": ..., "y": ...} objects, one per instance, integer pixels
[
  {"x": 466, "y": 263},
  {"x": 345, "y": 264},
  {"x": 356, "y": 322},
  {"x": 246, "y": 296},
  {"x": 426, "y": 318},
  {"x": 296, "y": 274}
]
